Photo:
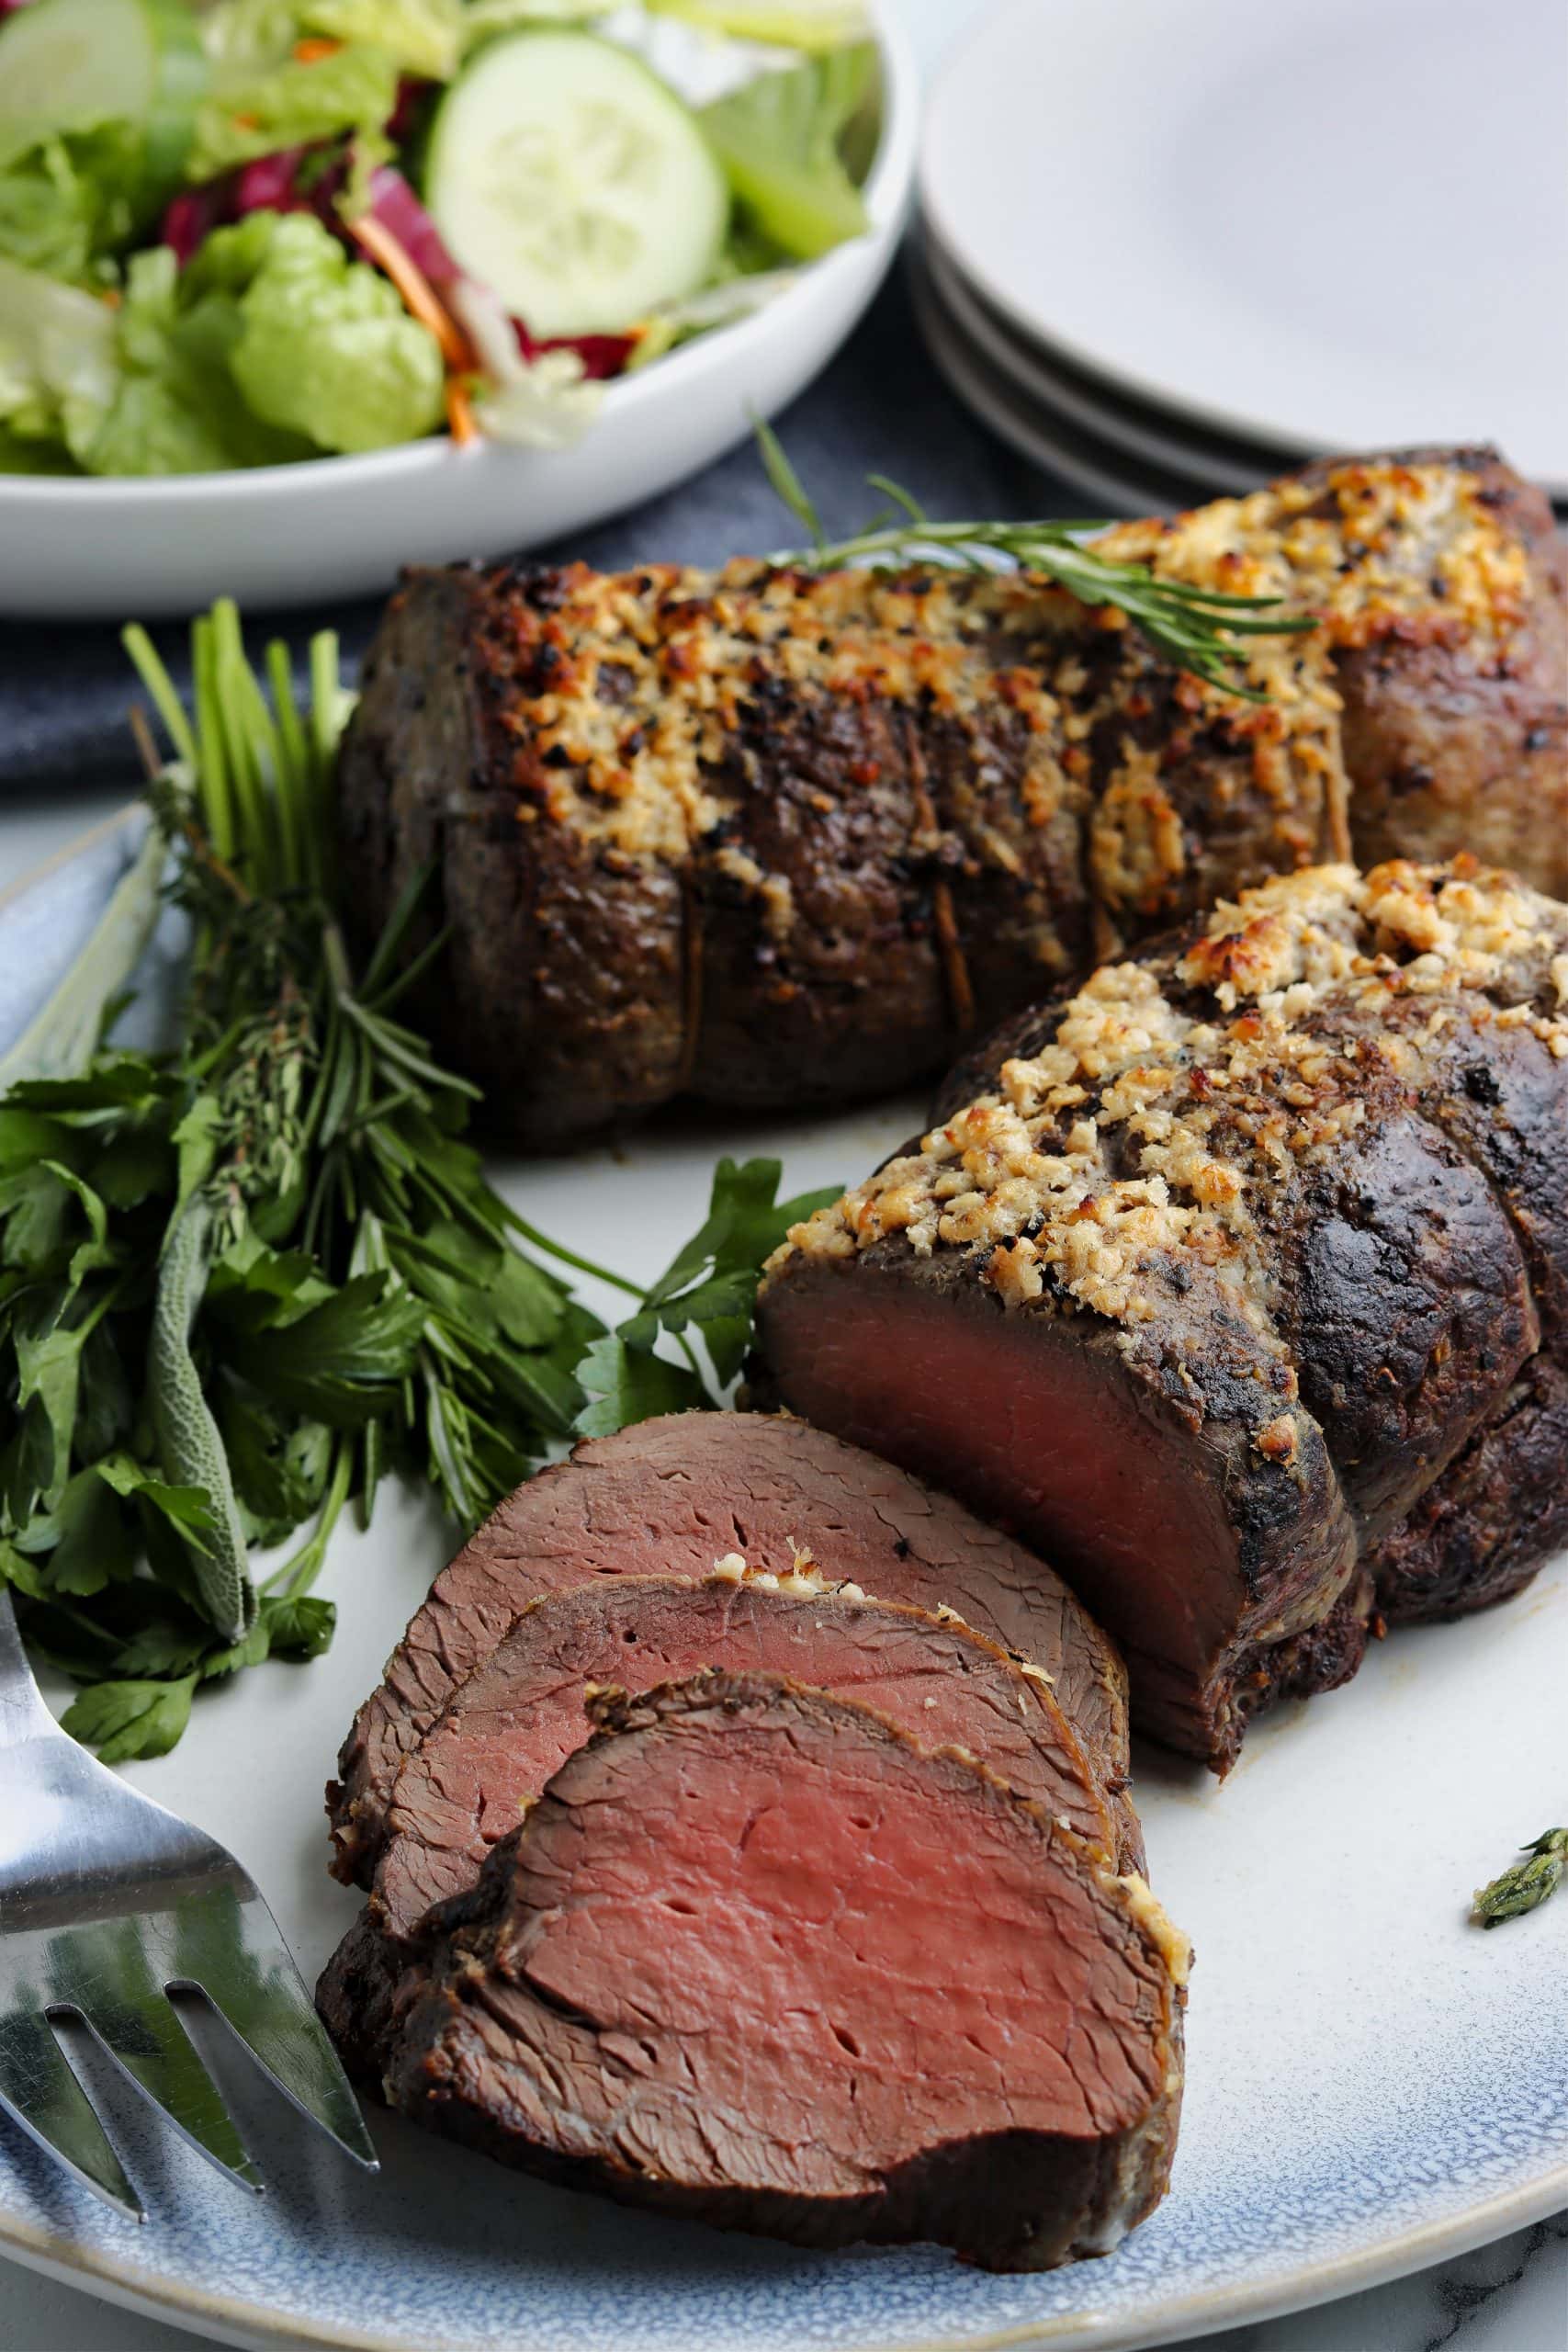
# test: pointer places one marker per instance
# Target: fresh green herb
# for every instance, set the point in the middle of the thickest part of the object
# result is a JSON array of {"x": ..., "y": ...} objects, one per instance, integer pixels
[
  {"x": 1527, "y": 1883},
  {"x": 704, "y": 1300},
  {"x": 241, "y": 1279},
  {"x": 1198, "y": 629}
]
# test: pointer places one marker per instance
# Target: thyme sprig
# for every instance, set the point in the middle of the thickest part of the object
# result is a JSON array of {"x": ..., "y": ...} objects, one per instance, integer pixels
[
  {"x": 1527, "y": 1883},
  {"x": 1198, "y": 629}
]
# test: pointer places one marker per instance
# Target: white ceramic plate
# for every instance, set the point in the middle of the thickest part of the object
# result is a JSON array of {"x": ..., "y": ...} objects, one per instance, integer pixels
[
  {"x": 1373, "y": 2085},
  {"x": 1149, "y": 437},
  {"x": 1111, "y": 479},
  {"x": 74, "y": 550},
  {"x": 1332, "y": 224}
]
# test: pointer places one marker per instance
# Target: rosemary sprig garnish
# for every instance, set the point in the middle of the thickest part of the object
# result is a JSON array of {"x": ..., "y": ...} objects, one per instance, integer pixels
[
  {"x": 1527, "y": 1883},
  {"x": 1195, "y": 628}
]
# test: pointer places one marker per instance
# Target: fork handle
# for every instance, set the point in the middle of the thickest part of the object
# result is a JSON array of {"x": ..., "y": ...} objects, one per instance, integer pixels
[{"x": 22, "y": 1712}]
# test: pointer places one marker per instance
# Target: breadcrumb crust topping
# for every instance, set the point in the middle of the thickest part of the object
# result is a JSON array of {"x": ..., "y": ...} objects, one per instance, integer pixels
[
  {"x": 1169, "y": 1091},
  {"x": 639, "y": 681}
]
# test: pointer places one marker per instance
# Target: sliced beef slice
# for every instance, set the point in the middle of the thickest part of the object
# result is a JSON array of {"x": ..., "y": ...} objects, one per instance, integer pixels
[
  {"x": 519, "y": 1716},
  {"x": 759, "y": 1957},
  {"x": 1229, "y": 1258},
  {"x": 671, "y": 1496}
]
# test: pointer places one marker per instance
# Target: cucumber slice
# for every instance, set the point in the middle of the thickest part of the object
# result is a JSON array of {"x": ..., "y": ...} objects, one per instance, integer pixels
[
  {"x": 567, "y": 177},
  {"x": 71, "y": 64}
]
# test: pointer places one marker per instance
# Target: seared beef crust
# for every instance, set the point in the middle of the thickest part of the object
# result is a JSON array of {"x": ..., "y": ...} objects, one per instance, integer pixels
[
  {"x": 1326, "y": 1127},
  {"x": 773, "y": 838}
]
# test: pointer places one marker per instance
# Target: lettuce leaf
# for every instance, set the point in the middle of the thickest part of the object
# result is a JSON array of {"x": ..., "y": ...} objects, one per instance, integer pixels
[
  {"x": 255, "y": 110},
  {"x": 178, "y": 409},
  {"x": 18, "y": 456},
  {"x": 272, "y": 346},
  {"x": 481, "y": 18},
  {"x": 424, "y": 36},
  {"x": 247, "y": 37},
  {"x": 326, "y": 347},
  {"x": 69, "y": 202},
  {"x": 59, "y": 370},
  {"x": 793, "y": 24},
  {"x": 778, "y": 138}
]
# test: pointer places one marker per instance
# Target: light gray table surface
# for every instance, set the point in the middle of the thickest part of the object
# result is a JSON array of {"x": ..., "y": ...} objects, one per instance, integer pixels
[{"x": 877, "y": 408}]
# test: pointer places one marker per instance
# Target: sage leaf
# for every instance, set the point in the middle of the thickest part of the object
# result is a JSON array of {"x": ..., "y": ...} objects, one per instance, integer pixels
[{"x": 189, "y": 1446}]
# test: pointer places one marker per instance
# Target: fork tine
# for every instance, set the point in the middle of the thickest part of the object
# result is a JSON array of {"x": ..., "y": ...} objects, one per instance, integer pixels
[
  {"x": 151, "y": 2046},
  {"x": 39, "y": 2091},
  {"x": 249, "y": 1976},
  {"x": 112, "y": 1975}
]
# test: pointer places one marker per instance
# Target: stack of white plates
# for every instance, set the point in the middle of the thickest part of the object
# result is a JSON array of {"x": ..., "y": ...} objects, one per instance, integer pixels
[{"x": 1168, "y": 251}]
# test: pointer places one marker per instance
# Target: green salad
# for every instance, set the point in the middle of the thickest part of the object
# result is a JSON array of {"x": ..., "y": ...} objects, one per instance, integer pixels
[{"x": 261, "y": 231}]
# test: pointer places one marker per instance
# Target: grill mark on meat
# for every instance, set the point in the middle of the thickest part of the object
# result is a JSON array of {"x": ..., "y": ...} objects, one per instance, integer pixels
[{"x": 561, "y": 2033}]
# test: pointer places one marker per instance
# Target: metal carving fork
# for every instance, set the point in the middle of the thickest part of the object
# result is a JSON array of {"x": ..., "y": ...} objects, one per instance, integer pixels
[{"x": 108, "y": 1903}]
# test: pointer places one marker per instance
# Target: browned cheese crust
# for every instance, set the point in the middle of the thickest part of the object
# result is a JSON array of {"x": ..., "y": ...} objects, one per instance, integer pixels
[
  {"x": 775, "y": 839},
  {"x": 1236, "y": 1282}
]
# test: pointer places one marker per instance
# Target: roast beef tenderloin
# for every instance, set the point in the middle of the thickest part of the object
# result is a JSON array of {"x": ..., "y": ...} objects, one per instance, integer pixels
[
  {"x": 519, "y": 1715},
  {"x": 756, "y": 1956},
  {"x": 1240, "y": 1259},
  {"x": 777, "y": 838}
]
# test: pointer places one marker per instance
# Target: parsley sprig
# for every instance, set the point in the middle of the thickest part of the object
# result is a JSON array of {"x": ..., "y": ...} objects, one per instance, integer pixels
[
  {"x": 1198, "y": 629},
  {"x": 243, "y": 1279},
  {"x": 704, "y": 1300}
]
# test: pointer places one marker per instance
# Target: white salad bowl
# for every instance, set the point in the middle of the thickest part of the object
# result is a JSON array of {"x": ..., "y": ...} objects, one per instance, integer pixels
[{"x": 271, "y": 536}]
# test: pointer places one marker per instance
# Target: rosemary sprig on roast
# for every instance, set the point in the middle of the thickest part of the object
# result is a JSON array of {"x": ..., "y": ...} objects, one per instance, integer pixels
[
  {"x": 1526, "y": 1884},
  {"x": 1198, "y": 629}
]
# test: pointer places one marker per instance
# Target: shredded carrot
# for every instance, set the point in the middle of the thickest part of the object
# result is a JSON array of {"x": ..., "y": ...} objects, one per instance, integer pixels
[
  {"x": 460, "y": 413},
  {"x": 310, "y": 52},
  {"x": 419, "y": 296},
  {"x": 247, "y": 121}
]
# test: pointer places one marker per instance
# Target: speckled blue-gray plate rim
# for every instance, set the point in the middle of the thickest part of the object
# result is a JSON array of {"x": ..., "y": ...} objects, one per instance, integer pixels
[{"x": 1373, "y": 2084}]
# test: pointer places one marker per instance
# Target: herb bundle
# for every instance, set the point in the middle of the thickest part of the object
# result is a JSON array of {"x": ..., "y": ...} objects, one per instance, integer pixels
[
  {"x": 243, "y": 1279},
  {"x": 1198, "y": 629}
]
